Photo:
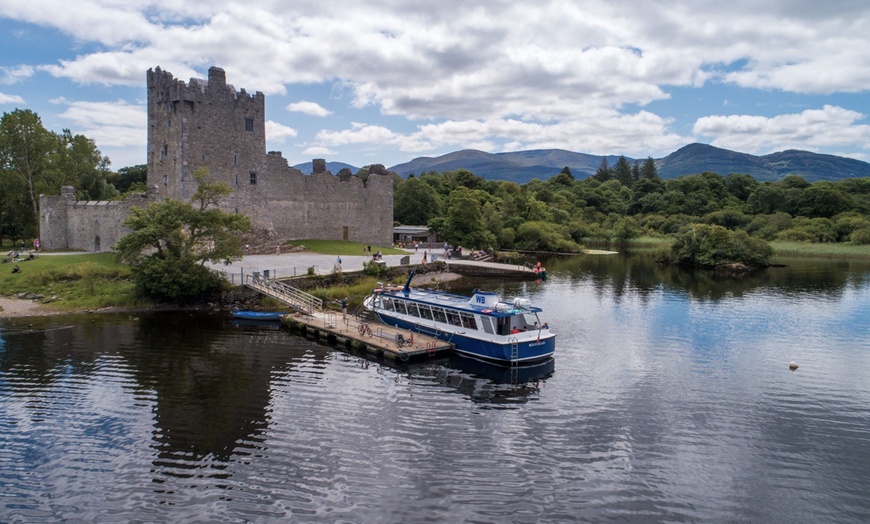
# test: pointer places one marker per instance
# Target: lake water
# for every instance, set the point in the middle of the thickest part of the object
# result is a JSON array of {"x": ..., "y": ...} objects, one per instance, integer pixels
[{"x": 670, "y": 399}]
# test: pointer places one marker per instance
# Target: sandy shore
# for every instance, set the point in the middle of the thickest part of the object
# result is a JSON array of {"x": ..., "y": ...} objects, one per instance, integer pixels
[{"x": 13, "y": 307}]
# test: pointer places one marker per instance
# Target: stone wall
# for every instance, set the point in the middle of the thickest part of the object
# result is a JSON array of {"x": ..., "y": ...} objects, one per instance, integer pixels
[
  {"x": 66, "y": 223},
  {"x": 207, "y": 123}
]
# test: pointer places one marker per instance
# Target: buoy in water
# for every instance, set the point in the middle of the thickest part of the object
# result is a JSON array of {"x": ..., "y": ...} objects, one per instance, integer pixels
[{"x": 792, "y": 365}]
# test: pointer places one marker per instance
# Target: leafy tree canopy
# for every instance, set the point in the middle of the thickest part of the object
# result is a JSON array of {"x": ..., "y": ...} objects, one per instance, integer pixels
[
  {"x": 704, "y": 245},
  {"x": 170, "y": 237}
]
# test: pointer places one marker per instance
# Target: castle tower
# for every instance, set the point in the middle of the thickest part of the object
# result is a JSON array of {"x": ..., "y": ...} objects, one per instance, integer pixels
[{"x": 203, "y": 123}]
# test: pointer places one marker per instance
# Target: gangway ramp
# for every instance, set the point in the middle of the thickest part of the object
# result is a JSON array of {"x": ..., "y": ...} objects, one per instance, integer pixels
[{"x": 285, "y": 293}]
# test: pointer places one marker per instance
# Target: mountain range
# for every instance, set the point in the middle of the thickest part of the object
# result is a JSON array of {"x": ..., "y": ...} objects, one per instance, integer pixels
[{"x": 523, "y": 166}]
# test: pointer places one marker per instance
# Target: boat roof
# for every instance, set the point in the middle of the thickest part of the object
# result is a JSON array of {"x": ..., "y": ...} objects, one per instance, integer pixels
[{"x": 460, "y": 302}]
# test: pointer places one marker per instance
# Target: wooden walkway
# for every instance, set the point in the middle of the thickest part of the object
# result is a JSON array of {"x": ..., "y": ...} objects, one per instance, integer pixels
[{"x": 375, "y": 338}]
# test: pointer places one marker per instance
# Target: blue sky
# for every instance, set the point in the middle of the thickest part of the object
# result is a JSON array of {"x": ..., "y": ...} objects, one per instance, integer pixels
[{"x": 391, "y": 80}]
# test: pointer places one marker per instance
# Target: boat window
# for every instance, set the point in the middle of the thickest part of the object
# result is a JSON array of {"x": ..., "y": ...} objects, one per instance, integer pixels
[
  {"x": 468, "y": 321},
  {"x": 412, "y": 309},
  {"x": 425, "y": 312},
  {"x": 486, "y": 322},
  {"x": 453, "y": 318},
  {"x": 388, "y": 304},
  {"x": 400, "y": 306},
  {"x": 438, "y": 314}
]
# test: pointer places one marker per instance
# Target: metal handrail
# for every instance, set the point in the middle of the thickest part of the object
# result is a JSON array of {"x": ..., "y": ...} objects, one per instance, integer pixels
[{"x": 285, "y": 293}]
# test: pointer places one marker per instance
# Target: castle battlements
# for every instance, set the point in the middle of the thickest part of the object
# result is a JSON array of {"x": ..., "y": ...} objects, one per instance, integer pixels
[{"x": 208, "y": 124}]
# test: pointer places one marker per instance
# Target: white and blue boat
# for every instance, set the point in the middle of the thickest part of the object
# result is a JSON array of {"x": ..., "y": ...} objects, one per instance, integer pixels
[{"x": 481, "y": 326}]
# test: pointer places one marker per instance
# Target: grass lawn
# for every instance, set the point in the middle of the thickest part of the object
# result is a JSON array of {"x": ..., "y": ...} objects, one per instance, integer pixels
[{"x": 72, "y": 282}]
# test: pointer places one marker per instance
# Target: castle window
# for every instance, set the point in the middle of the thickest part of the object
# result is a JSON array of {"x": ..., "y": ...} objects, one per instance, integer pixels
[
  {"x": 237, "y": 180},
  {"x": 165, "y": 179},
  {"x": 249, "y": 124},
  {"x": 236, "y": 159},
  {"x": 169, "y": 123},
  {"x": 164, "y": 151},
  {"x": 253, "y": 178}
]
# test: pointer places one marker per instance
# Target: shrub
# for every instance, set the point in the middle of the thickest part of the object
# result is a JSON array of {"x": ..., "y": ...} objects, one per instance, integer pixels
[
  {"x": 545, "y": 236},
  {"x": 703, "y": 245},
  {"x": 176, "y": 280},
  {"x": 371, "y": 268},
  {"x": 860, "y": 237}
]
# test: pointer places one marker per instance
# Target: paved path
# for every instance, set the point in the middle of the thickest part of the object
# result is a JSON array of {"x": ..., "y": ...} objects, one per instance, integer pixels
[{"x": 294, "y": 264}]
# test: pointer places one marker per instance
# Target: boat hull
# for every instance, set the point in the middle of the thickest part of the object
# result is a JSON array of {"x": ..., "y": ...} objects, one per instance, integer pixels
[
  {"x": 527, "y": 351},
  {"x": 259, "y": 315}
]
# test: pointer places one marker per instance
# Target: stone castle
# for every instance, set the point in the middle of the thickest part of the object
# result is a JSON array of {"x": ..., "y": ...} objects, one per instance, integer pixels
[{"x": 210, "y": 124}]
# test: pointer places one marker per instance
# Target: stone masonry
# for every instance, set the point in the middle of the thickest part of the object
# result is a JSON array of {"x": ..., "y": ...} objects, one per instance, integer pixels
[{"x": 209, "y": 124}]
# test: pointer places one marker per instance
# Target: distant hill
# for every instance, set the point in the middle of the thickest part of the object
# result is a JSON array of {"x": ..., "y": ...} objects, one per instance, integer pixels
[
  {"x": 332, "y": 167},
  {"x": 523, "y": 166},
  {"x": 518, "y": 166}
]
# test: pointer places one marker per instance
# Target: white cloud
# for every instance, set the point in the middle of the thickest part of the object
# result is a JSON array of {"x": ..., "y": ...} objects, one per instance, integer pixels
[
  {"x": 492, "y": 74},
  {"x": 318, "y": 151},
  {"x": 10, "y": 99},
  {"x": 14, "y": 75},
  {"x": 606, "y": 135},
  {"x": 309, "y": 108},
  {"x": 278, "y": 132},
  {"x": 812, "y": 129},
  {"x": 112, "y": 124}
]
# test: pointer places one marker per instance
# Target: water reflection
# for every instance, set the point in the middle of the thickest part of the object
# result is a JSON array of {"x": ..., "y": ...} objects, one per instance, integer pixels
[
  {"x": 210, "y": 392},
  {"x": 636, "y": 274},
  {"x": 672, "y": 401},
  {"x": 487, "y": 383}
]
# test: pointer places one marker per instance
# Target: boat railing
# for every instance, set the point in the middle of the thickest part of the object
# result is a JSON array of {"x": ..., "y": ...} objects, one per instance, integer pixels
[{"x": 293, "y": 297}]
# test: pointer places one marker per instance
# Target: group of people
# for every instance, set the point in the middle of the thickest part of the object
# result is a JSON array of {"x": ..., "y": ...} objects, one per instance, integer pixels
[
  {"x": 18, "y": 255},
  {"x": 367, "y": 250}
]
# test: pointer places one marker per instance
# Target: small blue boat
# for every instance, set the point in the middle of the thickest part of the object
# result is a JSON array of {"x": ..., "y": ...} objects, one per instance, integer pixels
[{"x": 258, "y": 315}]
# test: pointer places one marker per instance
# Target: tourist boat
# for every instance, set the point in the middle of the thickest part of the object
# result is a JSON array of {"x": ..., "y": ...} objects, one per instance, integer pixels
[
  {"x": 481, "y": 326},
  {"x": 258, "y": 315}
]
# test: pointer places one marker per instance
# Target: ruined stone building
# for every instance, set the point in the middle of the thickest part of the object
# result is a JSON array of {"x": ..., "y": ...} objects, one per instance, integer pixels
[{"x": 210, "y": 124}]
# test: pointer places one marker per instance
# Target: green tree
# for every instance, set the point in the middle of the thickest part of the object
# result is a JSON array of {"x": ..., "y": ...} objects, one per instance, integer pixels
[
  {"x": 171, "y": 240},
  {"x": 131, "y": 178},
  {"x": 603, "y": 173},
  {"x": 25, "y": 151},
  {"x": 78, "y": 162},
  {"x": 766, "y": 200},
  {"x": 463, "y": 178},
  {"x": 564, "y": 178},
  {"x": 546, "y": 236},
  {"x": 415, "y": 202},
  {"x": 822, "y": 199},
  {"x": 740, "y": 186},
  {"x": 464, "y": 224},
  {"x": 622, "y": 171},
  {"x": 15, "y": 217},
  {"x": 649, "y": 170}
]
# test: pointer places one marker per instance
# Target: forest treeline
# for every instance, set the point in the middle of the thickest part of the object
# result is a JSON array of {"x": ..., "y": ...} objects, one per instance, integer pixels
[
  {"x": 560, "y": 214},
  {"x": 627, "y": 201}
]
